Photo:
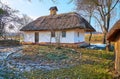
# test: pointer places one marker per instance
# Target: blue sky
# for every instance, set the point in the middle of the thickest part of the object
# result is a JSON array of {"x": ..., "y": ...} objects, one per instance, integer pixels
[{"x": 37, "y": 8}]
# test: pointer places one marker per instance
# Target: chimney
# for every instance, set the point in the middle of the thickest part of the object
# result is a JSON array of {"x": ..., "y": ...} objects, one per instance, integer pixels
[{"x": 53, "y": 10}]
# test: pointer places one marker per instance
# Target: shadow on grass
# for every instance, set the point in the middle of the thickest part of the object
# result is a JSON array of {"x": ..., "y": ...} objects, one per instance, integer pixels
[{"x": 9, "y": 43}]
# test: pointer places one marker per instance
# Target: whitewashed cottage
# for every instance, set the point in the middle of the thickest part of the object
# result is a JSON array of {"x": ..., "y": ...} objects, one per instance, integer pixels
[{"x": 67, "y": 28}]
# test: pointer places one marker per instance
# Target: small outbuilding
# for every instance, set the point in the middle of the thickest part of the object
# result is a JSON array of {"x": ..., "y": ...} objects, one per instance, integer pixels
[{"x": 114, "y": 36}]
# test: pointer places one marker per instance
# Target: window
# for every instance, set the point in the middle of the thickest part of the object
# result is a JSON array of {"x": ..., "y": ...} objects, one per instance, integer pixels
[
  {"x": 63, "y": 33},
  {"x": 52, "y": 34},
  {"x": 78, "y": 34}
]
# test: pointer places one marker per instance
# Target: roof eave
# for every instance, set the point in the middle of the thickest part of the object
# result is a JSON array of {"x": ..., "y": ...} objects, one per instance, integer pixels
[{"x": 112, "y": 36}]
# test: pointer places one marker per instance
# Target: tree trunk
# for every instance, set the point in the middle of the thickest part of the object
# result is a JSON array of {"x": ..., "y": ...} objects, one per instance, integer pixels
[
  {"x": 90, "y": 23},
  {"x": 108, "y": 45},
  {"x": 105, "y": 41},
  {"x": 90, "y": 37},
  {"x": 58, "y": 40},
  {"x": 104, "y": 38}
]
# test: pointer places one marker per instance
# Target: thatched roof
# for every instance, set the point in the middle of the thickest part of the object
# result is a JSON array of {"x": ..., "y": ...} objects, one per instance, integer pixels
[
  {"x": 112, "y": 34},
  {"x": 59, "y": 22}
]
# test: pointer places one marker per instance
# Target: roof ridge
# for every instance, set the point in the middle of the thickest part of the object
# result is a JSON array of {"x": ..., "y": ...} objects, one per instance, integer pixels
[{"x": 58, "y": 14}]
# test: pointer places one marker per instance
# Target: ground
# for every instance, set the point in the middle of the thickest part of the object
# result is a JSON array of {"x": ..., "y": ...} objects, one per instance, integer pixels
[
  {"x": 49, "y": 62},
  {"x": 92, "y": 64}
]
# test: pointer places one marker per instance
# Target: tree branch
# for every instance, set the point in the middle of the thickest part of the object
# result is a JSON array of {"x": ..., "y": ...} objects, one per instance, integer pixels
[
  {"x": 112, "y": 7},
  {"x": 98, "y": 22}
]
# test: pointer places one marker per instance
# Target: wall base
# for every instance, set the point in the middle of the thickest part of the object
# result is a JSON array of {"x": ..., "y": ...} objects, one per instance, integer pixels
[{"x": 74, "y": 45}]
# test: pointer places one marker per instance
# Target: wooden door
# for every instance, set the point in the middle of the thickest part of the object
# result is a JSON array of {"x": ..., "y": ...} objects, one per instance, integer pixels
[{"x": 36, "y": 37}]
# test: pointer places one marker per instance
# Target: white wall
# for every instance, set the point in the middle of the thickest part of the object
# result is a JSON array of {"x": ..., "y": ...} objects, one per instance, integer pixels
[
  {"x": 45, "y": 36},
  {"x": 69, "y": 37},
  {"x": 81, "y": 37},
  {"x": 29, "y": 37}
]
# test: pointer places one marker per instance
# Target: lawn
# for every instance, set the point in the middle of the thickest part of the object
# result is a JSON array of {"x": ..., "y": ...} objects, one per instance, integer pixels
[{"x": 79, "y": 63}]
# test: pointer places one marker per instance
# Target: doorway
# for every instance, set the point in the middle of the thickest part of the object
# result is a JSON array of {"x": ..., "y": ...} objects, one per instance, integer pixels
[{"x": 36, "y": 37}]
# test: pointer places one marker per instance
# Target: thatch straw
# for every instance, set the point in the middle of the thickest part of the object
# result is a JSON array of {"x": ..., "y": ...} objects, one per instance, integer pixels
[{"x": 59, "y": 22}]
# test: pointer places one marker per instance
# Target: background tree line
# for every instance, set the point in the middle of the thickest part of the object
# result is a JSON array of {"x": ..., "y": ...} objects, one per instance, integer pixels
[{"x": 10, "y": 19}]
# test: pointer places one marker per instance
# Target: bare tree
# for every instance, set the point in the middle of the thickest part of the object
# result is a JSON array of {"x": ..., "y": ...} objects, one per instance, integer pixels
[
  {"x": 6, "y": 16},
  {"x": 24, "y": 20},
  {"x": 86, "y": 10},
  {"x": 102, "y": 13},
  {"x": 1, "y": 11}
]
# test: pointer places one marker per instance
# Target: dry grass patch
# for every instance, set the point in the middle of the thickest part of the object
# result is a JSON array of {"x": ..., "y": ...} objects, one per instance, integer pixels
[
  {"x": 88, "y": 64},
  {"x": 96, "y": 38}
]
